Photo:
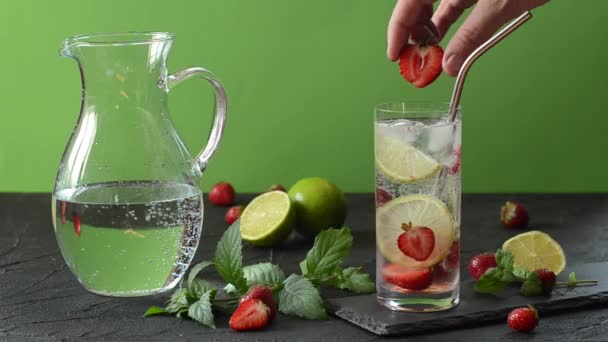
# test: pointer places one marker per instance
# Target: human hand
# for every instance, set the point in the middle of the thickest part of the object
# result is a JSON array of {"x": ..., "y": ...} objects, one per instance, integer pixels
[{"x": 485, "y": 19}]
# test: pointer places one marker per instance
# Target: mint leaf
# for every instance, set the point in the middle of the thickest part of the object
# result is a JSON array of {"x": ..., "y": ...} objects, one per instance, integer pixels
[
  {"x": 196, "y": 270},
  {"x": 329, "y": 250},
  {"x": 156, "y": 311},
  {"x": 201, "y": 311},
  {"x": 355, "y": 280},
  {"x": 198, "y": 287},
  {"x": 303, "y": 267},
  {"x": 266, "y": 274},
  {"x": 521, "y": 273},
  {"x": 504, "y": 260},
  {"x": 178, "y": 301},
  {"x": 572, "y": 279},
  {"x": 532, "y": 286},
  {"x": 490, "y": 283},
  {"x": 300, "y": 298},
  {"x": 228, "y": 258},
  {"x": 229, "y": 289}
]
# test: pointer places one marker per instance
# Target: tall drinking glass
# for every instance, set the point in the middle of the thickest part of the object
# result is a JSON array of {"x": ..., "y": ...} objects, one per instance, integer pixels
[{"x": 417, "y": 155}]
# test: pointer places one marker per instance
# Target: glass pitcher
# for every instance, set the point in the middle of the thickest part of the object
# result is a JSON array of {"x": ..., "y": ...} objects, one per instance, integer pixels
[{"x": 127, "y": 210}]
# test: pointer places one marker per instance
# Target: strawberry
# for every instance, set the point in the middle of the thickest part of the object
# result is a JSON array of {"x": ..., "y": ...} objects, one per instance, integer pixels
[
  {"x": 410, "y": 279},
  {"x": 265, "y": 295},
  {"x": 416, "y": 242},
  {"x": 233, "y": 214},
  {"x": 444, "y": 271},
  {"x": 382, "y": 196},
  {"x": 421, "y": 64},
  {"x": 64, "y": 205},
  {"x": 547, "y": 279},
  {"x": 514, "y": 215},
  {"x": 222, "y": 194},
  {"x": 479, "y": 264},
  {"x": 523, "y": 319},
  {"x": 251, "y": 314},
  {"x": 76, "y": 222},
  {"x": 276, "y": 187}
]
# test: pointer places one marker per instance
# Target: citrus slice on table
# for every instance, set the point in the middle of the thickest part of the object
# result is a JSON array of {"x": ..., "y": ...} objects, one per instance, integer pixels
[
  {"x": 533, "y": 250},
  {"x": 420, "y": 210},
  {"x": 268, "y": 219},
  {"x": 403, "y": 162}
]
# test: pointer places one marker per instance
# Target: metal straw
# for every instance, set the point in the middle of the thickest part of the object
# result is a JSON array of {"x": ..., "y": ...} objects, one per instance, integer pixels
[{"x": 462, "y": 74}]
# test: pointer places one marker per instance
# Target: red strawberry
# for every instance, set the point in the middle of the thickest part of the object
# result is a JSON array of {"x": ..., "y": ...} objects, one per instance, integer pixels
[
  {"x": 252, "y": 314},
  {"x": 421, "y": 64},
  {"x": 265, "y": 295},
  {"x": 514, "y": 215},
  {"x": 222, "y": 194},
  {"x": 444, "y": 271},
  {"x": 276, "y": 187},
  {"x": 547, "y": 279},
  {"x": 76, "y": 222},
  {"x": 382, "y": 196},
  {"x": 457, "y": 153},
  {"x": 407, "y": 278},
  {"x": 523, "y": 319},
  {"x": 233, "y": 214},
  {"x": 64, "y": 205},
  {"x": 479, "y": 264},
  {"x": 416, "y": 242}
]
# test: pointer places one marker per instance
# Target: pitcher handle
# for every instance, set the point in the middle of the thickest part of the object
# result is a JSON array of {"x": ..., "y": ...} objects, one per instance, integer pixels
[{"x": 219, "y": 119}]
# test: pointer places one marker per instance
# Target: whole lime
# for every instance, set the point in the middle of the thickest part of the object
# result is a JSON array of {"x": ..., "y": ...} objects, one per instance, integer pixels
[{"x": 319, "y": 205}]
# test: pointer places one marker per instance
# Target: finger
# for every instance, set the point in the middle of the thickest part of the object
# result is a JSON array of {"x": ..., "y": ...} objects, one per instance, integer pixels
[
  {"x": 405, "y": 15},
  {"x": 484, "y": 20},
  {"x": 448, "y": 12}
]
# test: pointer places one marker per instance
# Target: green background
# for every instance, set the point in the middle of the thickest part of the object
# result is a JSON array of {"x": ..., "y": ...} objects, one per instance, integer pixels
[{"x": 302, "y": 80}]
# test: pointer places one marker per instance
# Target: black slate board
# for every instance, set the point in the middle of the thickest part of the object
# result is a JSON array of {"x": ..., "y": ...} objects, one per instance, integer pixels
[{"x": 474, "y": 308}]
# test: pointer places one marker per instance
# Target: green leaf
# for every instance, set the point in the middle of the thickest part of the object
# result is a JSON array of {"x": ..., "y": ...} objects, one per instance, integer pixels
[
  {"x": 178, "y": 301},
  {"x": 504, "y": 260},
  {"x": 300, "y": 298},
  {"x": 229, "y": 289},
  {"x": 303, "y": 267},
  {"x": 329, "y": 250},
  {"x": 532, "y": 286},
  {"x": 196, "y": 270},
  {"x": 228, "y": 258},
  {"x": 198, "y": 287},
  {"x": 266, "y": 274},
  {"x": 201, "y": 311},
  {"x": 489, "y": 283},
  {"x": 521, "y": 273},
  {"x": 572, "y": 279},
  {"x": 156, "y": 311},
  {"x": 355, "y": 280}
]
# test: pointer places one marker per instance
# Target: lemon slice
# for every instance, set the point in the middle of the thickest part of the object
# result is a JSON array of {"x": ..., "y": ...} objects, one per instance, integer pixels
[
  {"x": 403, "y": 162},
  {"x": 533, "y": 250},
  {"x": 420, "y": 210},
  {"x": 268, "y": 219}
]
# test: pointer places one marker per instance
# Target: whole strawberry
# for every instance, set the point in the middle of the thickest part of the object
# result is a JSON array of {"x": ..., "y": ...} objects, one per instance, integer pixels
[
  {"x": 479, "y": 264},
  {"x": 265, "y": 295},
  {"x": 514, "y": 215},
  {"x": 222, "y": 194},
  {"x": 276, "y": 187},
  {"x": 523, "y": 319},
  {"x": 233, "y": 214},
  {"x": 547, "y": 279}
]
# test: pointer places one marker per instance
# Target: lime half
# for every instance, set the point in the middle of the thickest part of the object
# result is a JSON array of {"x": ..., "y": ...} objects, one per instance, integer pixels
[
  {"x": 533, "y": 250},
  {"x": 268, "y": 219},
  {"x": 420, "y": 210},
  {"x": 403, "y": 162}
]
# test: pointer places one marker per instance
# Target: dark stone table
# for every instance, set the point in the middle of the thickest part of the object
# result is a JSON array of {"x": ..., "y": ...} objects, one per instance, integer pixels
[{"x": 40, "y": 300}]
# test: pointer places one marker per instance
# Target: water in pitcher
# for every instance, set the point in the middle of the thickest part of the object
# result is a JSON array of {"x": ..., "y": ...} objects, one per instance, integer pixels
[
  {"x": 418, "y": 213},
  {"x": 128, "y": 238}
]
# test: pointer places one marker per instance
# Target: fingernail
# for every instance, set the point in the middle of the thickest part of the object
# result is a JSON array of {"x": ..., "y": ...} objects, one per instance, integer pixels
[{"x": 453, "y": 64}]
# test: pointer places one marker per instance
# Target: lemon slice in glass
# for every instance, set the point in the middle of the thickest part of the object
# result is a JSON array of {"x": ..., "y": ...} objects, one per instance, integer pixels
[
  {"x": 268, "y": 219},
  {"x": 533, "y": 250},
  {"x": 402, "y": 162},
  {"x": 420, "y": 210}
]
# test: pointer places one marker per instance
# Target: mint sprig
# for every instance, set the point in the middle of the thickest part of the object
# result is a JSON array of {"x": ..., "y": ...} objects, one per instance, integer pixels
[{"x": 297, "y": 295}]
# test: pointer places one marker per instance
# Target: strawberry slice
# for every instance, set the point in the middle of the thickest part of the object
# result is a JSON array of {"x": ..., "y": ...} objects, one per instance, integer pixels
[
  {"x": 416, "y": 242},
  {"x": 421, "y": 64},
  {"x": 76, "y": 222},
  {"x": 251, "y": 314},
  {"x": 265, "y": 295},
  {"x": 64, "y": 205},
  {"x": 407, "y": 278},
  {"x": 382, "y": 196}
]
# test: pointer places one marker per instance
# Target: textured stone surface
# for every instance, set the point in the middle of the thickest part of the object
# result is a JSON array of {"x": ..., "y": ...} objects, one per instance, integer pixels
[{"x": 40, "y": 300}]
